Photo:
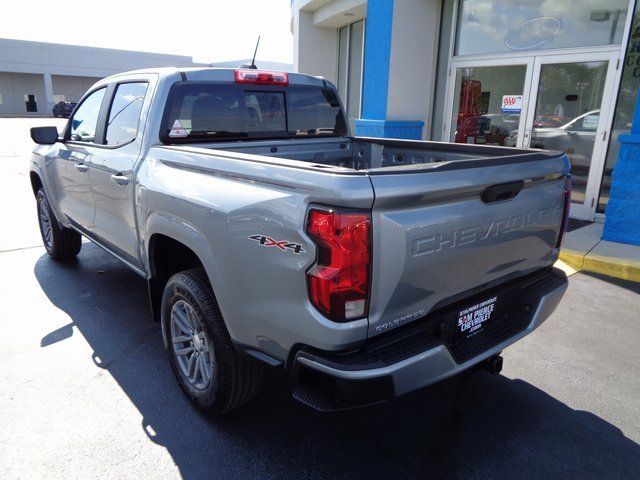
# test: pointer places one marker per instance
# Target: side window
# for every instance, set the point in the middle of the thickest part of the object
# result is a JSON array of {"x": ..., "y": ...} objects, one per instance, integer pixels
[
  {"x": 124, "y": 115},
  {"x": 85, "y": 120}
]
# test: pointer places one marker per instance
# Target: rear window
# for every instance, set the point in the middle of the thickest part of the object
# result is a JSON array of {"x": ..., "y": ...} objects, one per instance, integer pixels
[{"x": 206, "y": 111}]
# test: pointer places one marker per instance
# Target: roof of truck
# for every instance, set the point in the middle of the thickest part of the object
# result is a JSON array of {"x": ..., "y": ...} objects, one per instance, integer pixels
[{"x": 200, "y": 73}]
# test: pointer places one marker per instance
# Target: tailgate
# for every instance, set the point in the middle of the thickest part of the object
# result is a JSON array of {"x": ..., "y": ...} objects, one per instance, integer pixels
[{"x": 437, "y": 237}]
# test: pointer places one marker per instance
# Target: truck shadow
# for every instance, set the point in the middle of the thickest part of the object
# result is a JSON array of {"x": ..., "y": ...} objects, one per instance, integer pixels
[{"x": 473, "y": 423}]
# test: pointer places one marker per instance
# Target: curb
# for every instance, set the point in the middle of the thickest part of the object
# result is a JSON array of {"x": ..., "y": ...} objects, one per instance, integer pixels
[{"x": 610, "y": 266}]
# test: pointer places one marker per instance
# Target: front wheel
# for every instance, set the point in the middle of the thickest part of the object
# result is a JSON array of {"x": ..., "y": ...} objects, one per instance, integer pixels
[
  {"x": 209, "y": 370},
  {"x": 61, "y": 243}
]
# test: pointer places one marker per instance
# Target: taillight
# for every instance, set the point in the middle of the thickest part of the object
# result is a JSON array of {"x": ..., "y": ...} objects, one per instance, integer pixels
[
  {"x": 339, "y": 281},
  {"x": 261, "y": 77},
  {"x": 565, "y": 211}
]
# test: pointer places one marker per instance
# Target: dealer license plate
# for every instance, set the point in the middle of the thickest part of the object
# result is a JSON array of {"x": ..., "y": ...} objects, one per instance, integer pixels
[{"x": 475, "y": 319}]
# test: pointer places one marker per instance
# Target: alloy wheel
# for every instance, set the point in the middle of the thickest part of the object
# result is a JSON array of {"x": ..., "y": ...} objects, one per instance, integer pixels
[{"x": 191, "y": 345}]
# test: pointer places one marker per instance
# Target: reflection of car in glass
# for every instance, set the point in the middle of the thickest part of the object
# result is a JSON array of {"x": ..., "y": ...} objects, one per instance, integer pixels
[
  {"x": 80, "y": 134},
  {"x": 576, "y": 138},
  {"x": 498, "y": 128},
  {"x": 488, "y": 129},
  {"x": 542, "y": 121},
  {"x": 63, "y": 109}
]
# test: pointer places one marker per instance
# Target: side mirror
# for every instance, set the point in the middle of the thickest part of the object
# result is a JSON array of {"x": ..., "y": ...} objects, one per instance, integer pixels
[{"x": 44, "y": 135}]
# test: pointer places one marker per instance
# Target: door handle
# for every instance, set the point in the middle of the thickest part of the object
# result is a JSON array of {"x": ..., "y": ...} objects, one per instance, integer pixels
[
  {"x": 501, "y": 192},
  {"x": 120, "y": 179},
  {"x": 81, "y": 167}
]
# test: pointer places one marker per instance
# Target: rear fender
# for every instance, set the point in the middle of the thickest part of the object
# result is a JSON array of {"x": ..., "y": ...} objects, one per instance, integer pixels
[{"x": 193, "y": 238}]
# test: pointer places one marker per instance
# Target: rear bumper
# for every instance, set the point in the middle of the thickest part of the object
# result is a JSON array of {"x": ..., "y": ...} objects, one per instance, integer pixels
[{"x": 413, "y": 358}]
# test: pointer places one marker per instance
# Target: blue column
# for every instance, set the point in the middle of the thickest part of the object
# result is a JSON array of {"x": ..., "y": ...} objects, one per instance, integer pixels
[
  {"x": 622, "y": 223},
  {"x": 375, "y": 81}
]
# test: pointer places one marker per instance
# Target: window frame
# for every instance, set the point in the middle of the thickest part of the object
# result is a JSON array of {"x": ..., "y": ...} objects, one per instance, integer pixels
[
  {"x": 99, "y": 122},
  {"x": 345, "y": 101},
  {"x": 112, "y": 96},
  {"x": 103, "y": 116}
]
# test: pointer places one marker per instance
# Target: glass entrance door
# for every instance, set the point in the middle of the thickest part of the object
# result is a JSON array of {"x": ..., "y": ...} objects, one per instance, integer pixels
[
  {"x": 567, "y": 113},
  {"x": 488, "y": 103},
  {"x": 555, "y": 102}
]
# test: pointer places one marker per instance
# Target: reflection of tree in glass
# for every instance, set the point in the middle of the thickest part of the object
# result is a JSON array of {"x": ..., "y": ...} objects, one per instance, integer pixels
[
  {"x": 112, "y": 118},
  {"x": 570, "y": 89}
]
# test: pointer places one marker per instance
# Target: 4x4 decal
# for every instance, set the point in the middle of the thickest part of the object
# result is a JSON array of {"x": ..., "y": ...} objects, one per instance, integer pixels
[{"x": 283, "y": 245}]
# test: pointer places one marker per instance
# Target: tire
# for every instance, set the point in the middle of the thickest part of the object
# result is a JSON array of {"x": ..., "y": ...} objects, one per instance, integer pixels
[
  {"x": 190, "y": 314},
  {"x": 61, "y": 243}
]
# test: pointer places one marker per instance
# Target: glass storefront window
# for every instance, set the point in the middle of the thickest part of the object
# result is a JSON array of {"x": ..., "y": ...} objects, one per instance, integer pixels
[
  {"x": 498, "y": 26},
  {"x": 440, "y": 95},
  {"x": 567, "y": 115},
  {"x": 487, "y": 105},
  {"x": 350, "y": 54},
  {"x": 343, "y": 61},
  {"x": 627, "y": 95}
]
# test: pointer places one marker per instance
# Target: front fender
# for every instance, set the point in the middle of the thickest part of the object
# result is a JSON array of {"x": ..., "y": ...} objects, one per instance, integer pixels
[{"x": 38, "y": 166}]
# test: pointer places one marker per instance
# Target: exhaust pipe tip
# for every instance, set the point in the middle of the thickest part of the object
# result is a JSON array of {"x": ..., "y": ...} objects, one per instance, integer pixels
[{"x": 493, "y": 365}]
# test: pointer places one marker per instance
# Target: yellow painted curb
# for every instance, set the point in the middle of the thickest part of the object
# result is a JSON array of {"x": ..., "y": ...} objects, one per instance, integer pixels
[
  {"x": 572, "y": 258},
  {"x": 613, "y": 267},
  {"x": 565, "y": 267}
]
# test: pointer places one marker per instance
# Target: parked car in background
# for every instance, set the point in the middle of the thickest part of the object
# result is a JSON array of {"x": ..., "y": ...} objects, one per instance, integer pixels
[
  {"x": 488, "y": 129},
  {"x": 544, "y": 121},
  {"x": 575, "y": 137},
  {"x": 63, "y": 109}
]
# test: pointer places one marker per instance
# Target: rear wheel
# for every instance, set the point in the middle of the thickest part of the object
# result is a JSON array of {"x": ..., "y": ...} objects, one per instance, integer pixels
[
  {"x": 61, "y": 243},
  {"x": 209, "y": 370}
]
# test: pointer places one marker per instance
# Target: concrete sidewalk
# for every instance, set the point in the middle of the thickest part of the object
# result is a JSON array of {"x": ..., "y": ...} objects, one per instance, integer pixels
[{"x": 583, "y": 249}]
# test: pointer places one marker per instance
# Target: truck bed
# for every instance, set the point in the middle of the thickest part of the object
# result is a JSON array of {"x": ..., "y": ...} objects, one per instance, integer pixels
[
  {"x": 448, "y": 220},
  {"x": 374, "y": 154}
]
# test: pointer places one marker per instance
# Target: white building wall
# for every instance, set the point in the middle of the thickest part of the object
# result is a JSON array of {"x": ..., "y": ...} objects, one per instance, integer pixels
[
  {"x": 414, "y": 42},
  {"x": 412, "y": 69},
  {"x": 58, "y": 59},
  {"x": 315, "y": 48},
  {"x": 70, "y": 88},
  {"x": 315, "y": 25},
  {"x": 65, "y": 72},
  {"x": 14, "y": 87},
  {"x": 7, "y": 100},
  {"x": 54, "y": 72}
]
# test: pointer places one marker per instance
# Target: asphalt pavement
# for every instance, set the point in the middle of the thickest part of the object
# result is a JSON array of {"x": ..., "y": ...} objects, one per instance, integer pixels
[{"x": 86, "y": 390}]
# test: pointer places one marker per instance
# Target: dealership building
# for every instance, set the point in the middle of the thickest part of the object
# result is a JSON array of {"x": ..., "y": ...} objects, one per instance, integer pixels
[
  {"x": 36, "y": 75},
  {"x": 558, "y": 74}
]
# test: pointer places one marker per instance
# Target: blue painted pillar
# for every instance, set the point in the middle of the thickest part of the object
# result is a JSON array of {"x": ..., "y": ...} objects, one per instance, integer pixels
[
  {"x": 375, "y": 81},
  {"x": 622, "y": 223}
]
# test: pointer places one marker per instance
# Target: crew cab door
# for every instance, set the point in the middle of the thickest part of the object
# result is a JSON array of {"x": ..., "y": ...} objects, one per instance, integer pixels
[
  {"x": 70, "y": 168},
  {"x": 112, "y": 169}
]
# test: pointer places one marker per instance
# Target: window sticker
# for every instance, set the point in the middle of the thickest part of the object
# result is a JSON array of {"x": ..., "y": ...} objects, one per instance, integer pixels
[
  {"x": 177, "y": 130},
  {"x": 590, "y": 122},
  {"x": 511, "y": 103}
]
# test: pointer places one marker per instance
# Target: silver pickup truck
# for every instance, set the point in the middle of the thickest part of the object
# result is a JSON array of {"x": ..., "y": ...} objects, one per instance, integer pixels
[{"x": 365, "y": 268}]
